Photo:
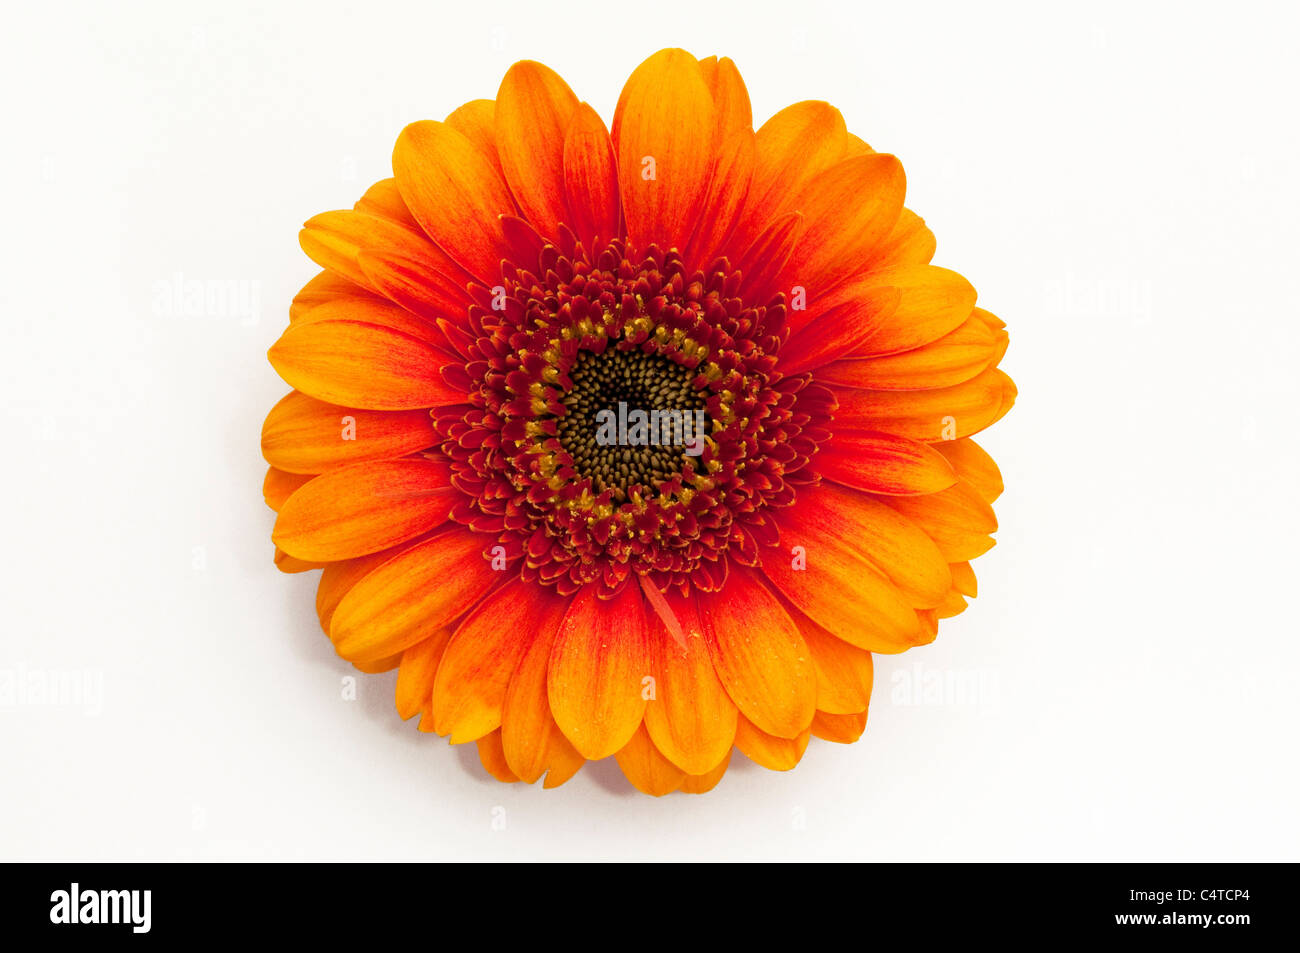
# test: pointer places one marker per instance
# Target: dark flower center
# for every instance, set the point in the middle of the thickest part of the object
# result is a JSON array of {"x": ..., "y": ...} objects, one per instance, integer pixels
[{"x": 630, "y": 418}]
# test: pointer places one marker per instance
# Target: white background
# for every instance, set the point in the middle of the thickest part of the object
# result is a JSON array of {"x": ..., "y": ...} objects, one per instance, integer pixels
[{"x": 1118, "y": 182}]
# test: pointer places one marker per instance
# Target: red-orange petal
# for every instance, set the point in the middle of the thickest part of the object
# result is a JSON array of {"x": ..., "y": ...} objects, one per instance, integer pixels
[
  {"x": 410, "y": 597},
  {"x": 360, "y": 364},
  {"x": 364, "y": 508},
  {"x": 484, "y": 652},
  {"x": 956, "y": 357},
  {"x": 863, "y": 525},
  {"x": 947, "y": 413},
  {"x": 533, "y": 112},
  {"x": 760, "y": 265},
  {"x": 291, "y": 564},
  {"x": 334, "y": 239},
  {"x": 848, "y": 210},
  {"x": 339, "y": 577},
  {"x": 591, "y": 179},
  {"x": 838, "y": 586},
  {"x": 880, "y": 312},
  {"x": 759, "y": 654},
  {"x": 909, "y": 243},
  {"x": 455, "y": 194},
  {"x": 733, "y": 167},
  {"x": 883, "y": 463},
  {"x": 305, "y": 435}
]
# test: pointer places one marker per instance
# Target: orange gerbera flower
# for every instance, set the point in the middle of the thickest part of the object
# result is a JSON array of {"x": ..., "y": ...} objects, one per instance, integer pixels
[{"x": 633, "y": 444}]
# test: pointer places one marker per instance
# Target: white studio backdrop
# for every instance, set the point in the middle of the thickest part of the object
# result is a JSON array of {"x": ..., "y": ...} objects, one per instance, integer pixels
[{"x": 1118, "y": 181}]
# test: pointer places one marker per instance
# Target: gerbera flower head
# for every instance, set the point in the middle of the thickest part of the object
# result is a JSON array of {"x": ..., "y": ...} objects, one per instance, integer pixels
[{"x": 635, "y": 442}]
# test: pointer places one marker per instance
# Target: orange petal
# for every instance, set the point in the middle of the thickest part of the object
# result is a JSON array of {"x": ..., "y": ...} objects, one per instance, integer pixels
[
  {"x": 933, "y": 301},
  {"x": 857, "y": 147},
  {"x": 882, "y": 463},
  {"x": 880, "y": 312},
  {"x": 419, "y": 665},
  {"x": 842, "y": 729},
  {"x": 418, "y": 286},
  {"x": 533, "y": 113},
  {"x": 493, "y": 758},
  {"x": 280, "y": 485},
  {"x": 597, "y": 666},
  {"x": 843, "y": 671},
  {"x": 364, "y": 508},
  {"x": 778, "y": 754},
  {"x": 532, "y": 741},
  {"x": 411, "y": 596},
  {"x": 730, "y": 97},
  {"x": 704, "y": 783},
  {"x": 953, "y": 604},
  {"x": 848, "y": 210},
  {"x": 364, "y": 365},
  {"x": 759, "y": 655},
  {"x": 591, "y": 179},
  {"x": 690, "y": 718},
  {"x": 957, "y": 519},
  {"x": 648, "y": 770},
  {"x": 838, "y": 587},
  {"x": 665, "y": 115},
  {"x": 792, "y": 148},
  {"x": 384, "y": 200},
  {"x": 334, "y": 240},
  {"x": 326, "y": 286},
  {"x": 947, "y": 413},
  {"x": 384, "y": 314},
  {"x": 290, "y": 564},
  {"x": 477, "y": 122},
  {"x": 956, "y": 357},
  {"x": 728, "y": 187},
  {"x": 760, "y": 266},
  {"x": 483, "y": 654},
  {"x": 834, "y": 324},
  {"x": 379, "y": 666},
  {"x": 910, "y": 243},
  {"x": 892, "y": 544},
  {"x": 339, "y": 577},
  {"x": 455, "y": 194},
  {"x": 305, "y": 435},
  {"x": 963, "y": 579},
  {"x": 563, "y": 761},
  {"x": 973, "y": 465}
]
